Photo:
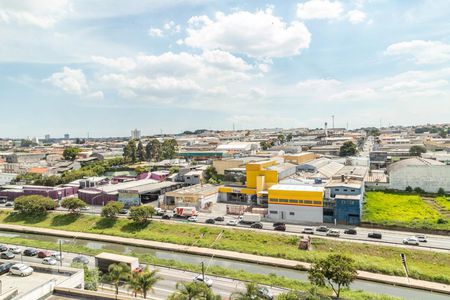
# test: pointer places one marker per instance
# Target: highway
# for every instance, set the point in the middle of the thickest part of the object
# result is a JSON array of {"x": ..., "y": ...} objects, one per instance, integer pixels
[{"x": 166, "y": 286}]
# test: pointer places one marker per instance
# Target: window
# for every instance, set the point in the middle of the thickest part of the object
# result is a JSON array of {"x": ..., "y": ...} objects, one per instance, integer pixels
[
  {"x": 336, "y": 190},
  {"x": 273, "y": 212},
  {"x": 293, "y": 201},
  {"x": 317, "y": 202},
  {"x": 300, "y": 201},
  {"x": 352, "y": 190},
  {"x": 291, "y": 213},
  {"x": 345, "y": 190},
  {"x": 307, "y": 202},
  {"x": 273, "y": 200}
]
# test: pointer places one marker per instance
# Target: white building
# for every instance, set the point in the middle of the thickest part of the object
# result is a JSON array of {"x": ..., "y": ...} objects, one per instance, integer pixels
[{"x": 135, "y": 134}]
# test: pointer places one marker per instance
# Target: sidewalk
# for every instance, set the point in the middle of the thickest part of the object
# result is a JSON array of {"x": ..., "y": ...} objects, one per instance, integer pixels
[{"x": 264, "y": 260}]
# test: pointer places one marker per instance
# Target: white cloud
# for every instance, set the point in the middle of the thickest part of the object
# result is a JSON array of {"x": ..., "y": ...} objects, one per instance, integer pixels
[
  {"x": 259, "y": 34},
  {"x": 421, "y": 52},
  {"x": 355, "y": 95},
  {"x": 155, "y": 32},
  {"x": 319, "y": 9},
  {"x": 43, "y": 13},
  {"x": 121, "y": 63},
  {"x": 73, "y": 81},
  {"x": 356, "y": 16},
  {"x": 169, "y": 28}
]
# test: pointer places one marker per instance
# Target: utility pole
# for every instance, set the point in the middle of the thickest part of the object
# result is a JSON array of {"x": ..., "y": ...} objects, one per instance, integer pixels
[
  {"x": 332, "y": 118},
  {"x": 60, "y": 253},
  {"x": 203, "y": 271}
]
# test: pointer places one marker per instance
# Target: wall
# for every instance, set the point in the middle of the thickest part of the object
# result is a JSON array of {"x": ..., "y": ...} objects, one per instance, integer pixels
[
  {"x": 301, "y": 213},
  {"x": 39, "y": 292},
  {"x": 428, "y": 178}
]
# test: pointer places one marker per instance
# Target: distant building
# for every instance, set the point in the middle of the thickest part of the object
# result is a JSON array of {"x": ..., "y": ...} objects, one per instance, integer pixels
[
  {"x": 135, "y": 134},
  {"x": 200, "y": 196},
  {"x": 67, "y": 136},
  {"x": 47, "y": 137}
]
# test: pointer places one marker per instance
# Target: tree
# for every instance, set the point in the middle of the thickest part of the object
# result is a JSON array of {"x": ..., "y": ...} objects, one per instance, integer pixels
[
  {"x": 250, "y": 293},
  {"x": 193, "y": 291},
  {"x": 335, "y": 270},
  {"x": 130, "y": 151},
  {"x": 34, "y": 205},
  {"x": 289, "y": 137},
  {"x": 143, "y": 281},
  {"x": 297, "y": 295},
  {"x": 417, "y": 150},
  {"x": 348, "y": 149},
  {"x": 117, "y": 273},
  {"x": 156, "y": 150},
  {"x": 443, "y": 133},
  {"x": 281, "y": 138},
  {"x": 409, "y": 189},
  {"x": 71, "y": 153},
  {"x": 141, "y": 214},
  {"x": 210, "y": 173},
  {"x": 111, "y": 209},
  {"x": 169, "y": 149},
  {"x": 441, "y": 192},
  {"x": 141, "y": 152},
  {"x": 73, "y": 204},
  {"x": 419, "y": 190},
  {"x": 91, "y": 278},
  {"x": 149, "y": 151}
]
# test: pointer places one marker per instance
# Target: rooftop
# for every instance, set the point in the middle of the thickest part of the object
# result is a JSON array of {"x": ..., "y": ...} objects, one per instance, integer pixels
[
  {"x": 202, "y": 189},
  {"x": 295, "y": 187},
  {"x": 117, "y": 257}
]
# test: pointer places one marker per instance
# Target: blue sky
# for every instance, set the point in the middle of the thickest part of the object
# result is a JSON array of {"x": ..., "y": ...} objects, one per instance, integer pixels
[{"x": 105, "y": 67}]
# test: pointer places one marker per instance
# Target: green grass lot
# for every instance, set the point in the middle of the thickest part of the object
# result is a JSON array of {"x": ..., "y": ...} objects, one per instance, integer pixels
[
  {"x": 444, "y": 202},
  {"x": 271, "y": 279},
  {"x": 402, "y": 210},
  {"x": 424, "y": 265}
]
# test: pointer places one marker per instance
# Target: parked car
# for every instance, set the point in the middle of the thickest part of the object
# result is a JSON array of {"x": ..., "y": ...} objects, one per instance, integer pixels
[
  {"x": 85, "y": 208},
  {"x": 3, "y": 200},
  {"x": 308, "y": 230},
  {"x": 4, "y": 268},
  {"x": 422, "y": 238},
  {"x": 206, "y": 280},
  {"x": 280, "y": 228},
  {"x": 350, "y": 231},
  {"x": 278, "y": 224},
  {"x": 411, "y": 241},
  {"x": 210, "y": 221},
  {"x": 192, "y": 219},
  {"x": 159, "y": 211},
  {"x": 3, "y": 248},
  {"x": 44, "y": 253},
  {"x": 49, "y": 261},
  {"x": 322, "y": 229},
  {"x": 257, "y": 225},
  {"x": 15, "y": 249},
  {"x": 21, "y": 270},
  {"x": 30, "y": 252},
  {"x": 232, "y": 222},
  {"x": 7, "y": 255},
  {"x": 123, "y": 211},
  {"x": 375, "y": 235},
  {"x": 57, "y": 256},
  {"x": 166, "y": 217},
  {"x": 219, "y": 219},
  {"x": 264, "y": 293},
  {"x": 333, "y": 232},
  {"x": 9, "y": 204},
  {"x": 80, "y": 259}
]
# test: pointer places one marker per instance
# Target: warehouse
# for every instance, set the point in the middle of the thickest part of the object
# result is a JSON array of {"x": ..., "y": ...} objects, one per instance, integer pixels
[{"x": 202, "y": 196}]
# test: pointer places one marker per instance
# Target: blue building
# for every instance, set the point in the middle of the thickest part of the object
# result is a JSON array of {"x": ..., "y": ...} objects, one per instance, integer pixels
[{"x": 343, "y": 201}]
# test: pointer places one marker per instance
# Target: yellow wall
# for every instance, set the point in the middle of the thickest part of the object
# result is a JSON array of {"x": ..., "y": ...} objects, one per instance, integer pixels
[
  {"x": 299, "y": 159},
  {"x": 222, "y": 165},
  {"x": 283, "y": 197},
  {"x": 256, "y": 169}
]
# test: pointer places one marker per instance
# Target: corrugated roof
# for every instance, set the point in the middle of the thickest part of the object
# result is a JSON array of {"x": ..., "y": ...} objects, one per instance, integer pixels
[{"x": 295, "y": 187}]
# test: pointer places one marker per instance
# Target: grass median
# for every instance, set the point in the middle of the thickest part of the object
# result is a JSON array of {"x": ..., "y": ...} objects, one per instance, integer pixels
[
  {"x": 426, "y": 265},
  {"x": 271, "y": 279}
]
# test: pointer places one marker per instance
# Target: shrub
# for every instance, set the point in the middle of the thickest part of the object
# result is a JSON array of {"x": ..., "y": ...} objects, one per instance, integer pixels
[
  {"x": 34, "y": 205},
  {"x": 441, "y": 192},
  {"x": 418, "y": 190},
  {"x": 442, "y": 221},
  {"x": 73, "y": 204},
  {"x": 111, "y": 209},
  {"x": 409, "y": 189},
  {"x": 141, "y": 214}
]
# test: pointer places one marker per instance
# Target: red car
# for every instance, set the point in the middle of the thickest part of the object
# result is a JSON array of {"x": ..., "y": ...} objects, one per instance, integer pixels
[{"x": 44, "y": 254}]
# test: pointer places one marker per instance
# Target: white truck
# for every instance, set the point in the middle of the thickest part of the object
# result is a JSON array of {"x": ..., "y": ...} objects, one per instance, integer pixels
[
  {"x": 185, "y": 211},
  {"x": 249, "y": 218}
]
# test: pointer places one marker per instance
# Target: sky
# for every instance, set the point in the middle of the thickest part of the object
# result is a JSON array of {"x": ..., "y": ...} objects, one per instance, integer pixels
[{"x": 104, "y": 67}]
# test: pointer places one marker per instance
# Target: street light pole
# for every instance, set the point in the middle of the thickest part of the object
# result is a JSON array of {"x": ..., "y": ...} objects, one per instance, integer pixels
[
  {"x": 60, "y": 253},
  {"x": 203, "y": 271}
]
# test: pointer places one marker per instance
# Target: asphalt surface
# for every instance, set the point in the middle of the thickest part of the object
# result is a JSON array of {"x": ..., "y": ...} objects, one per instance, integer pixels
[{"x": 164, "y": 287}]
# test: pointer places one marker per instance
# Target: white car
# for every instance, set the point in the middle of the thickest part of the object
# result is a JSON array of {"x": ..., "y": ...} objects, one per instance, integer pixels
[
  {"x": 21, "y": 270},
  {"x": 56, "y": 256},
  {"x": 421, "y": 238},
  {"x": 232, "y": 222},
  {"x": 206, "y": 280},
  {"x": 411, "y": 241},
  {"x": 15, "y": 249},
  {"x": 192, "y": 219},
  {"x": 308, "y": 230},
  {"x": 49, "y": 261},
  {"x": 86, "y": 208},
  {"x": 333, "y": 232}
]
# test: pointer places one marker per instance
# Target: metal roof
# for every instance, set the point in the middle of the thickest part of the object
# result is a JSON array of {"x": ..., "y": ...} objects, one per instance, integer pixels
[{"x": 295, "y": 187}]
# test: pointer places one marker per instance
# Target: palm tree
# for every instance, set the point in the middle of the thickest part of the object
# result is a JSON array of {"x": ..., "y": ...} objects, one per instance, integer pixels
[
  {"x": 116, "y": 274},
  {"x": 133, "y": 283},
  {"x": 146, "y": 281},
  {"x": 251, "y": 293},
  {"x": 193, "y": 291}
]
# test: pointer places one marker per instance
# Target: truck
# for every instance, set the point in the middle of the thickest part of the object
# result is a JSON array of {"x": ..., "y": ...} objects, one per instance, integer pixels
[
  {"x": 249, "y": 218},
  {"x": 185, "y": 212}
]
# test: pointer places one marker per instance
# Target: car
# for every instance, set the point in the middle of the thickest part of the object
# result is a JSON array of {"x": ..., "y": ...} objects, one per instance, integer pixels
[
  {"x": 375, "y": 235},
  {"x": 264, "y": 293},
  {"x": 219, "y": 219},
  {"x": 322, "y": 229},
  {"x": 4, "y": 268},
  {"x": 3, "y": 248},
  {"x": 206, "y": 280},
  {"x": 280, "y": 228},
  {"x": 257, "y": 225},
  {"x": 80, "y": 259},
  {"x": 7, "y": 255},
  {"x": 15, "y": 249},
  {"x": 350, "y": 231},
  {"x": 3, "y": 200},
  {"x": 210, "y": 221},
  {"x": 278, "y": 224},
  {"x": 85, "y": 208},
  {"x": 308, "y": 230},
  {"x": 159, "y": 211},
  {"x": 411, "y": 241},
  {"x": 9, "y": 204},
  {"x": 30, "y": 252},
  {"x": 422, "y": 238},
  {"x": 333, "y": 232},
  {"x": 21, "y": 270},
  {"x": 44, "y": 253},
  {"x": 57, "y": 256},
  {"x": 192, "y": 219},
  {"x": 166, "y": 217},
  {"x": 49, "y": 261},
  {"x": 232, "y": 222},
  {"x": 123, "y": 211}
]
